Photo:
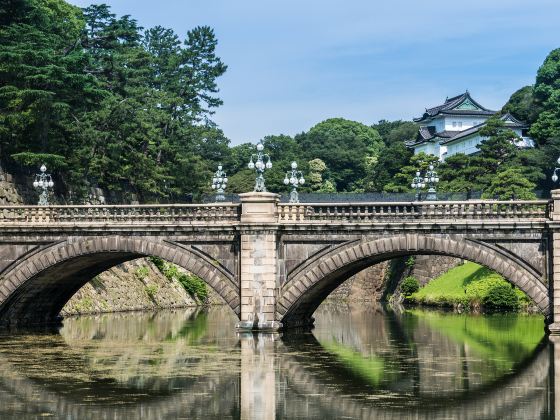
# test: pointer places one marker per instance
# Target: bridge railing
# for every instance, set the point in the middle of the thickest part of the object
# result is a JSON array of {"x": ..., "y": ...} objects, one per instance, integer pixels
[
  {"x": 171, "y": 213},
  {"x": 535, "y": 210}
]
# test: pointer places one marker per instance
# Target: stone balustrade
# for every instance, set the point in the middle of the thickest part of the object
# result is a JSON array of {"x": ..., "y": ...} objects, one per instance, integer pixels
[
  {"x": 157, "y": 213},
  {"x": 536, "y": 210}
]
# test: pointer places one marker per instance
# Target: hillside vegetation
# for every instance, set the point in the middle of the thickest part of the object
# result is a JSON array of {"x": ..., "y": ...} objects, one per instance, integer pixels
[{"x": 472, "y": 286}]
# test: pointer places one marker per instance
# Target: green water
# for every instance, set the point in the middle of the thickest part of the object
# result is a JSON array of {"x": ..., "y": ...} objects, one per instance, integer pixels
[{"x": 359, "y": 362}]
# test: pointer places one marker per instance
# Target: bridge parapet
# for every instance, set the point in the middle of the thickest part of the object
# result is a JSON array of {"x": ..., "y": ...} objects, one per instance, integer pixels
[
  {"x": 162, "y": 213},
  {"x": 535, "y": 210}
]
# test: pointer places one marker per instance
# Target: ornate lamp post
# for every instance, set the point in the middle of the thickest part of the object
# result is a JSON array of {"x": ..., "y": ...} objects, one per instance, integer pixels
[
  {"x": 259, "y": 166},
  {"x": 554, "y": 174},
  {"x": 43, "y": 182},
  {"x": 292, "y": 179},
  {"x": 219, "y": 183},
  {"x": 431, "y": 178},
  {"x": 418, "y": 184}
]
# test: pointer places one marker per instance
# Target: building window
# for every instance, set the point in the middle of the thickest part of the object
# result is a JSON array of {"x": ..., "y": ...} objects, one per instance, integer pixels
[
  {"x": 460, "y": 124},
  {"x": 454, "y": 123}
]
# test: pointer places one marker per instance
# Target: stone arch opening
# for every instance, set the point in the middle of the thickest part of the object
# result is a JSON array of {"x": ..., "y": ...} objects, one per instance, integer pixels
[
  {"x": 39, "y": 286},
  {"x": 300, "y": 296}
]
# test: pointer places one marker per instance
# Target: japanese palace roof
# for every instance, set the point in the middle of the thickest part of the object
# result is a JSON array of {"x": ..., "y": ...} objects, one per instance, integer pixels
[
  {"x": 462, "y": 104},
  {"x": 428, "y": 134}
]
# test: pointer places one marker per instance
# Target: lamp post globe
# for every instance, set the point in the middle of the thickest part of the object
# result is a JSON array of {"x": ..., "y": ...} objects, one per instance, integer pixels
[
  {"x": 43, "y": 183},
  {"x": 555, "y": 173},
  {"x": 432, "y": 180},
  {"x": 295, "y": 179},
  {"x": 219, "y": 183},
  {"x": 257, "y": 162}
]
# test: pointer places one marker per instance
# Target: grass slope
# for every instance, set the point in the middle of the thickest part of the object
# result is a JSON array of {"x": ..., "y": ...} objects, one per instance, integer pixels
[{"x": 466, "y": 284}]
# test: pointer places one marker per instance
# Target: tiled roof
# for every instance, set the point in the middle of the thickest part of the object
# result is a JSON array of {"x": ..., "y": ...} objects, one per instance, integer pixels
[
  {"x": 450, "y": 103},
  {"x": 428, "y": 134}
]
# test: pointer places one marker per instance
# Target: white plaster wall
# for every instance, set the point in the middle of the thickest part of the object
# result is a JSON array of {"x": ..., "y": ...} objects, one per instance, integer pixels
[{"x": 466, "y": 121}]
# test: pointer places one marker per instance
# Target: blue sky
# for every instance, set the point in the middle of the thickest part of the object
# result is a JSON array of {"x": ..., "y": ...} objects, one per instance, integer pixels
[{"x": 294, "y": 63}]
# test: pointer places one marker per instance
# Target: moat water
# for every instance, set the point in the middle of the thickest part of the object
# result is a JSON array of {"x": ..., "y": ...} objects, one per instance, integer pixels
[{"x": 358, "y": 363}]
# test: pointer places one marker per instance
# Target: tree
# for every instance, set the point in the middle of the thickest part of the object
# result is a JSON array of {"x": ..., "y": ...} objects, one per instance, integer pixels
[
  {"x": 391, "y": 160},
  {"x": 402, "y": 180},
  {"x": 461, "y": 173},
  {"x": 348, "y": 148},
  {"x": 510, "y": 184},
  {"x": 43, "y": 85},
  {"x": 522, "y": 105},
  {"x": 316, "y": 178},
  {"x": 396, "y": 131}
]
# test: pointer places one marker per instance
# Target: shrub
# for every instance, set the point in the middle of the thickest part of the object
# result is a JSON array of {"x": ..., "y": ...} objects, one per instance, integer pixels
[
  {"x": 502, "y": 296},
  {"x": 410, "y": 261},
  {"x": 194, "y": 286},
  {"x": 409, "y": 286},
  {"x": 142, "y": 272},
  {"x": 151, "y": 290}
]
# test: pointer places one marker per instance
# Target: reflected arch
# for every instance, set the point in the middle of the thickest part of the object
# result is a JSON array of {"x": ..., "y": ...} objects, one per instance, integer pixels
[
  {"x": 38, "y": 286},
  {"x": 300, "y": 296}
]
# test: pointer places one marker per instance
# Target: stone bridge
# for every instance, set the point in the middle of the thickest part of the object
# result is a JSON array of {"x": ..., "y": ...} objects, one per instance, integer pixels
[{"x": 272, "y": 263}]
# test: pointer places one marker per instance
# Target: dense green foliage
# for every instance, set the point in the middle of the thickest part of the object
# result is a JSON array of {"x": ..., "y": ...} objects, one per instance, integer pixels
[
  {"x": 409, "y": 286},
  {"x": 114, "y": 105},
  {"x": 194, "y": 285},
  {"x": 501, "y": 297},
  {"x": 468, "y": 284}
]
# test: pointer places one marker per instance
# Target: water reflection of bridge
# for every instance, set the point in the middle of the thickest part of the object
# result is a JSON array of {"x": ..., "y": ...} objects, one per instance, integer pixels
[{"x": 294, "y": 373}]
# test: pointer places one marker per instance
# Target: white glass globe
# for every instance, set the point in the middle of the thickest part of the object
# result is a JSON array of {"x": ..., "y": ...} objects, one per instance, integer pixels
[
  {"x": 51, "y": 184},
  {"x": 269, "y": 164},
  {"x": 417, "y": 173},
  {"x": 294, "y": 165},
  {"x": 287, "y": 181},
  {"x": 412, "y": 185},
  {"x": 437, "y": 180},
  {"x": 214, "y": 180},
  {"x": 220, "y": 179},
  {"x": 431, "y": 167},
  {"x": 219, "y": 167},
  {"x": 36, "y": 184},
  {"x": 293, "y": 180},
  {"x": 213, "y": 186},
  {"x": 225, "y": 180},
  {"x": 554, "y": 177},
  {"x": 223, "y": 186},
  {"x": 40, "y": 183},
  {"x": 251, "y": 165},
  {"x": 43, "y": 168},
  {"x": 301, "y": 181},
  {"x": 260, "y": 147}
]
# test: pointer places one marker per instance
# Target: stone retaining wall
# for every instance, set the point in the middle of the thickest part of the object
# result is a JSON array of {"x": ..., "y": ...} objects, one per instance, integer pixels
[
  {"x": 366, "y": 286},
  {"x": 134, "y": 285}
]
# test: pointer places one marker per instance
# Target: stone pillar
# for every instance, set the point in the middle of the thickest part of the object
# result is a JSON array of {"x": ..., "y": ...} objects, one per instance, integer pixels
[
  {"x": 259, "y": 262},
  {"x": 554, "y": 328},
  {"x": 258, "y": 376}
]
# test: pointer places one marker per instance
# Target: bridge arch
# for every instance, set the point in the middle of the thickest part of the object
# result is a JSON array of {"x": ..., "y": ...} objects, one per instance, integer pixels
[
  {"x": 36, "y": 288},
  {"x": 300, "y": 296}
]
